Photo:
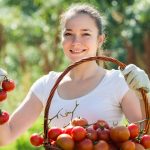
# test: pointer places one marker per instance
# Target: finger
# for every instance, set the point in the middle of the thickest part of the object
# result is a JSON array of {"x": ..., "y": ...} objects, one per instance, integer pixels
[
  {"x": 129, "y": 68},
  {"x": 130, "y": 77},
  {"x": 2, "y": 72},
  {"x": 135, "y": 84}
]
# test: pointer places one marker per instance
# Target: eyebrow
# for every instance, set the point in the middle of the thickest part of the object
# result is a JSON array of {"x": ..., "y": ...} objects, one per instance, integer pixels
[{"x": 81, "y": 30}]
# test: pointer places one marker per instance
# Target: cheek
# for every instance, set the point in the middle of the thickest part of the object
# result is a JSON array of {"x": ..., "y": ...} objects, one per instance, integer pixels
[
  {"x": 64, "y": 43},
  {"x": 92, "y": 42}
]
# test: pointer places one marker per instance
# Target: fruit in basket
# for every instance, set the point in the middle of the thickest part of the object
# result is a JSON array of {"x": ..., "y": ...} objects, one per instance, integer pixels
[
  {"x": 78, "y": 133},
  {"x": 128, "y": 145},
  {"x": 36, "y": 139},
  {"x": 139, "y": 146},
  {"x": 79, "y": 122},
  {"x": 91, "y": 134},
  {"x": 4, "y": 117},
  {"x": 100, "y": 123},
  {"x": 112, "y": 146},
  {"x": 8, "y": 85},
  {"x": 54, "y": 132},
  {"x": 65, "y": 142},
  {"x": 101, "y": 145},
  {"x": 145, "y": 141},
  {"x": 85, "y": 144},
  {"x": 103, "y": 134},
  {"x": 68, "y": 130},
  {"x": 119, "y": 133},
  {"x": 134, "y": 130},
  {"x": 3, "y": 95}
]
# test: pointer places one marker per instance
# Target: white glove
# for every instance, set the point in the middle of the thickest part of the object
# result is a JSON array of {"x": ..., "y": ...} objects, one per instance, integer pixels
[
  {"x": 136, "y": 78},
  {"x": 3, "y": 74}
]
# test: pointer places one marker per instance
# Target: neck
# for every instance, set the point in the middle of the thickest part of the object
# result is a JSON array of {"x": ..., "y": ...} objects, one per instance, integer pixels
[{"x": 85, "y": 70}]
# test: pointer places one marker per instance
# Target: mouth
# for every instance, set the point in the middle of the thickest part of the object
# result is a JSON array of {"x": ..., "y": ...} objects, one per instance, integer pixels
[{"x": 77, "y": 51}]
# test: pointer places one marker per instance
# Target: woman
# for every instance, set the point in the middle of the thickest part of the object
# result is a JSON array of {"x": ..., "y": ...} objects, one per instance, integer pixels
[{"x": 100, "y": 93}]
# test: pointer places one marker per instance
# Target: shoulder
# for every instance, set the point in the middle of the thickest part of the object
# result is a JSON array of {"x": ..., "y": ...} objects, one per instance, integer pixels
[
  {"x": 115, "y": 74},
  {"x": 43, "y": 85},
  {"x": 45, "y": 80},
  {"x": 48, "y": 77}
]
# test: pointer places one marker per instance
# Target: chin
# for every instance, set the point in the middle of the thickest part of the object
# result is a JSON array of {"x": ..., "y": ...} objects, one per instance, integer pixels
[{"x": 73, "y": 60}]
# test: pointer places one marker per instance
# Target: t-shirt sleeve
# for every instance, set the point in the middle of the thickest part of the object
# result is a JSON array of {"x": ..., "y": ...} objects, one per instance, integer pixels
[{"x": 42, "y": 87}]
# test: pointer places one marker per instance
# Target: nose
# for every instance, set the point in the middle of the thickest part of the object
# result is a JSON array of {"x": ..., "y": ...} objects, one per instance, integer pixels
[{"x": 76, "y": 40}]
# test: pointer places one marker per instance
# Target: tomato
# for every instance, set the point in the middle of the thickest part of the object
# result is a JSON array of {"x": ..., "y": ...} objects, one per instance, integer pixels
[
  {"x": 100, "y": 124},
  {"x": 91, "y": 134},
  {"x": 119, "y": 134},
  {"x": 68, "y": 130},
  {"x": 3, "y": 95},
  {"x": 101, "y": 145},
  {"x": 128, "y": 145},
  {"x": 79, "y": 122},
  {"x": 103, "y": 134},
  {"x": 85, "y": 144},
  {"x": 8, "y": 84},
  {"x": 65, "y": 142},
  {"x": 54, "y": 132},
  {"x": 134, "y": 130},
  {"x": 78, "y": 133},
  {"x": 139, "y": 147},
  {"x": 36, "y": 139},
  {"x": 4, "y": 117},
  {"x": 145, "y": 141}
]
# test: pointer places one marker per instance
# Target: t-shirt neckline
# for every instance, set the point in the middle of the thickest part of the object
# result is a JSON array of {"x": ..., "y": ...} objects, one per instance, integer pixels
[{"x": 86, "y": 95}]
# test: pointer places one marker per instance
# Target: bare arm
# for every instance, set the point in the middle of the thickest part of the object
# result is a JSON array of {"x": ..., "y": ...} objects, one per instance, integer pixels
[
  {"x": 21, "y": 119},
  {"x": 131, "y": 107}
]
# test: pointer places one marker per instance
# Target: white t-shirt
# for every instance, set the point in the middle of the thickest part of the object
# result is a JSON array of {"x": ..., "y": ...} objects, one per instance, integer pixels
[{"x": 103, "y": 102}]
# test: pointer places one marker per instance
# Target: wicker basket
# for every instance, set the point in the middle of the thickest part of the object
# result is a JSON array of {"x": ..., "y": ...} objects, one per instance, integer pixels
[{"x": 47, "y": 145}]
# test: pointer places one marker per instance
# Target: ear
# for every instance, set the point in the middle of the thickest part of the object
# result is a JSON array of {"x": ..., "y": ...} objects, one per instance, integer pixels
[{"x": 101, "y": 39}]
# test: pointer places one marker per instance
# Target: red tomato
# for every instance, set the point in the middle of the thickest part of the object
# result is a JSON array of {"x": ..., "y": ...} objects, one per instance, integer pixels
[
  {"x": 36, "y": 139},
  {"x": 100, "y": 124},
  {"x": 65, "y": 142},
  {"x": 103, "y": 134},
  {"x": 134, "y": 130},
  {"x": 145, "y": 141},
  {"x": 8, "y": 85},
  {"x": 68, "y": 130},
  {"x": 3, "y": 95},
  {"x": 78, "y": 133},
  {"x": 4, "y": 117},
  {"x": 54, "y": 132}
]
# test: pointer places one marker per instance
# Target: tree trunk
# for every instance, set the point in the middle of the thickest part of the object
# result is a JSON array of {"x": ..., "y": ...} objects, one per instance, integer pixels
[
  {"x": 147, "y": 52},
  {"x": 131, "y": 56}
]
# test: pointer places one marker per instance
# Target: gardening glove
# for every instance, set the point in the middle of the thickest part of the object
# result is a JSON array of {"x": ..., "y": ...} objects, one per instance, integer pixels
[
  {"x": 136, "y": 78},
  {"x": 3, "y": 74}
]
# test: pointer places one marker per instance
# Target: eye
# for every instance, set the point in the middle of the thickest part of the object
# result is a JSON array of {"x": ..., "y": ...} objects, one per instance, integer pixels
[
  {"x": 67, "y": 34},
  {"x": 86, "y": 34}
]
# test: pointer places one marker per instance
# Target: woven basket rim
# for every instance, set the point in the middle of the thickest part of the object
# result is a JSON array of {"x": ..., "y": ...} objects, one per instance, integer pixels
[{"x": 102, "y": 58}]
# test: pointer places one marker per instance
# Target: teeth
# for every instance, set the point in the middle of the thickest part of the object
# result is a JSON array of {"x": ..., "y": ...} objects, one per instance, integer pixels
[{"x": 77, "y": 51}]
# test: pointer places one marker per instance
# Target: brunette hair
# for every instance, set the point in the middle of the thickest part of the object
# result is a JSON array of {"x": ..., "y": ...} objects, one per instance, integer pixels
[{"x": 87, "y": 9}]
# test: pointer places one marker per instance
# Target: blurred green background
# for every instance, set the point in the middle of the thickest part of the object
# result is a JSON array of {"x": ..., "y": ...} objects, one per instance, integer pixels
[{"x": 30, "y": 43}]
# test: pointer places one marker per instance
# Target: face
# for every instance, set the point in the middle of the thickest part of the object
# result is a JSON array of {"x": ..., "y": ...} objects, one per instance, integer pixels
[{"x": 80, "y": 37}]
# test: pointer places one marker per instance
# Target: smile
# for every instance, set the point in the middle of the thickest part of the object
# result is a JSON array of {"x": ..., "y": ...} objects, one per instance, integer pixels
[{"x": 77, "y": 51}]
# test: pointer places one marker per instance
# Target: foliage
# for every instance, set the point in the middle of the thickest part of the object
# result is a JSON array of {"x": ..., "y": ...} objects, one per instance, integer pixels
[{"x": 30, "y": 40}]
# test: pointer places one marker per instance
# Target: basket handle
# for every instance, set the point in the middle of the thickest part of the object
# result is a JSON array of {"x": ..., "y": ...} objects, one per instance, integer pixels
[{"x": 103, "y": 58}]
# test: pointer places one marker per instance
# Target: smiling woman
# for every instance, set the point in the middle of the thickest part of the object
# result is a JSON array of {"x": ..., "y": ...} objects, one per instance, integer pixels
[
  {"x": 81, "y": 32},
  {"x": 100, "y": 93}
]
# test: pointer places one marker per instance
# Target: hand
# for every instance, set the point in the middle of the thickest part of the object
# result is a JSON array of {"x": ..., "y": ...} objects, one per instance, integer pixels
[
  {"x": 3, "y": 74},
  {"x": 136, "y": 78}
]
